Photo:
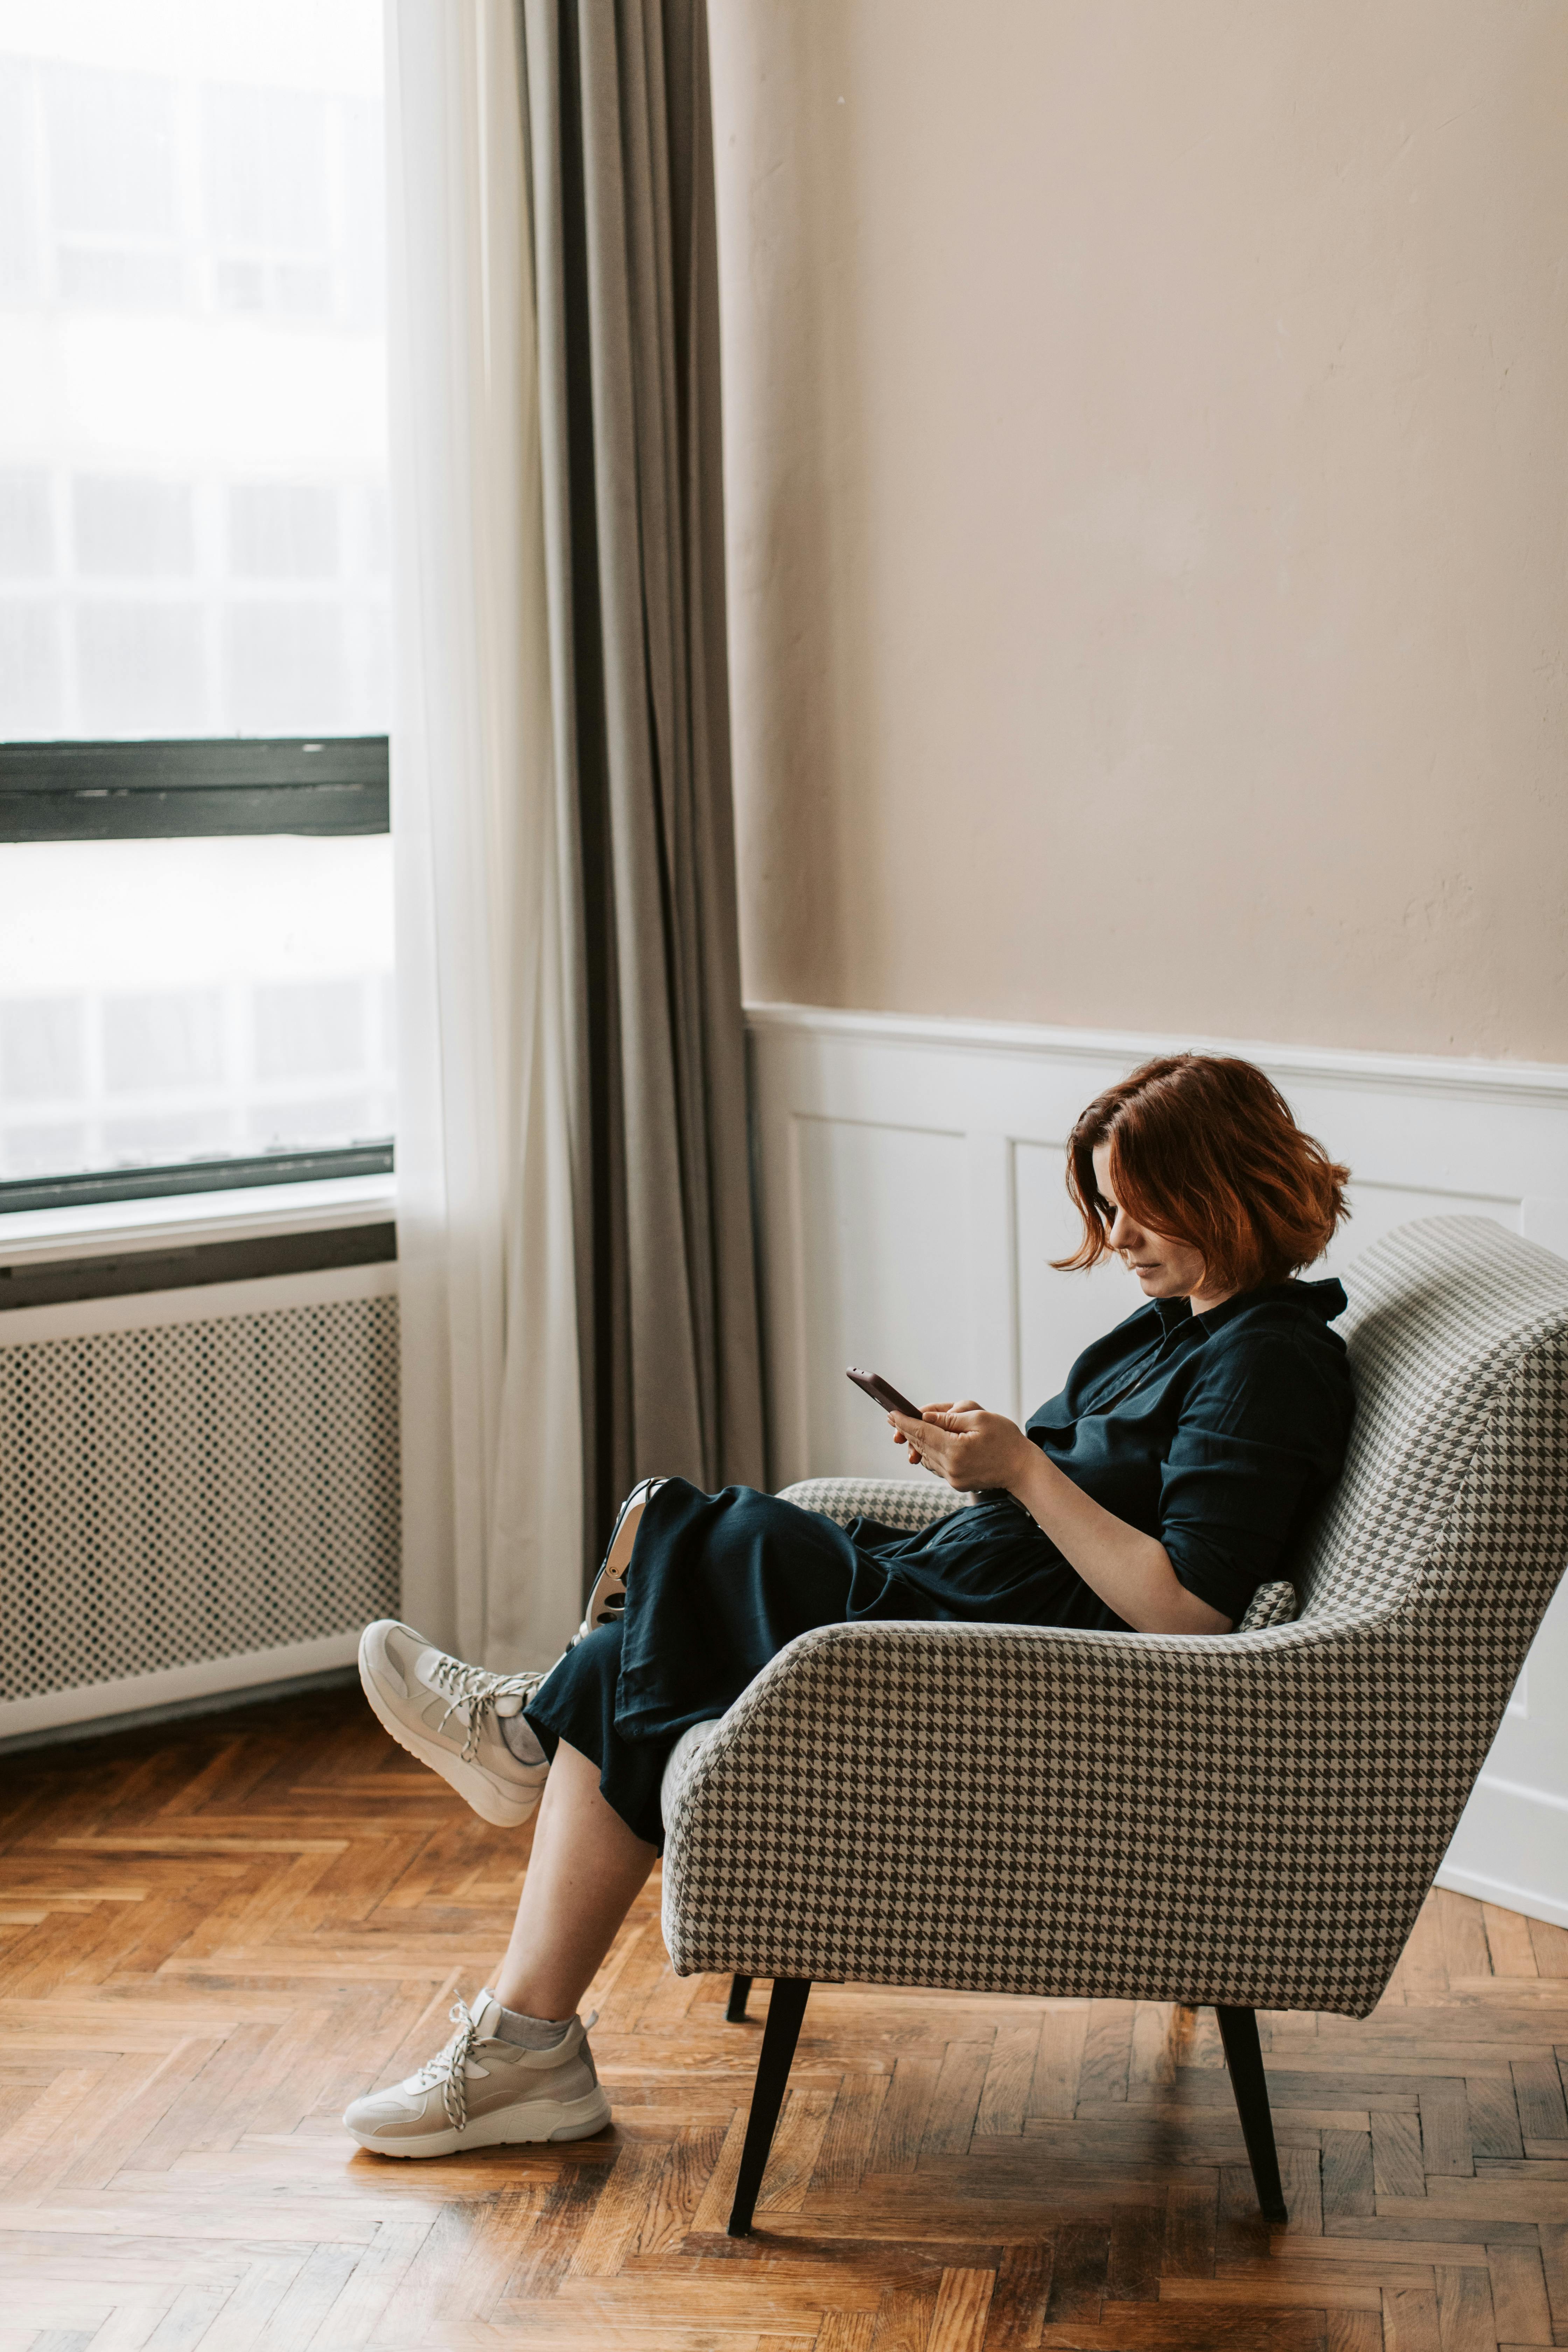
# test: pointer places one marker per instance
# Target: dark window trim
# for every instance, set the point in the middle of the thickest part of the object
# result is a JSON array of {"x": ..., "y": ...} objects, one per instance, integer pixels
[{"x": 188, "y": 789}]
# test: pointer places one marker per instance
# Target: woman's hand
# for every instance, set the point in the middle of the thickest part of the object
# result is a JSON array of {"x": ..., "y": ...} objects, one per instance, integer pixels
[
  {"x": 899, "y": 1422},
  {"x": 971, "y": 1448},
  {"x": 965, "y": 1445}
]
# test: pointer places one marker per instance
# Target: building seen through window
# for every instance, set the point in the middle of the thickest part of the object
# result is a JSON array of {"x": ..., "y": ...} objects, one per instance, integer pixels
[{"x": 193, "y": 544}]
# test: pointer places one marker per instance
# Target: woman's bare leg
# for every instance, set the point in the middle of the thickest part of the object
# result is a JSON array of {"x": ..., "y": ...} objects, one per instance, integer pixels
[{"x": 585, "y": 1868}]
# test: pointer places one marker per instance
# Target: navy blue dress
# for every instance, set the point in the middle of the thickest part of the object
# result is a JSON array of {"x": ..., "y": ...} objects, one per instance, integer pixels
[{"x": 1217, "y": 1433}]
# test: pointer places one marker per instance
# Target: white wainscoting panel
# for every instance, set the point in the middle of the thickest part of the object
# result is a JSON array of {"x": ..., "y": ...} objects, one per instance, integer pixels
[
  {"x": 1059, "y": 1314},
  {"x": 861, "y": 1187},
  {"x": 911, "y": 1193}
]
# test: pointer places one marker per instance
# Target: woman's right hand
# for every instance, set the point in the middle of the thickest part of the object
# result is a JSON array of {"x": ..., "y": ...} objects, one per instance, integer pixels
[{"x": 916, "y": 1457}]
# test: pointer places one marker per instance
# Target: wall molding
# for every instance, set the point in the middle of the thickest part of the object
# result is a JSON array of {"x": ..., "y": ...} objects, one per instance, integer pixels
[
  {"x": 1541, "y": 1084},
  {"x": 909, "y": 1189}
]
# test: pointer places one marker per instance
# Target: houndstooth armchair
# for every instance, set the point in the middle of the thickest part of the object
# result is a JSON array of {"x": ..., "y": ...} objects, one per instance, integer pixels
[{"x": 1251, "y": 1819}]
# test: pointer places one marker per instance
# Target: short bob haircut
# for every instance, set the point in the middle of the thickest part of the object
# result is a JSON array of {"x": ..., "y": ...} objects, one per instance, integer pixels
[{"x": 1203, "y": 1151}]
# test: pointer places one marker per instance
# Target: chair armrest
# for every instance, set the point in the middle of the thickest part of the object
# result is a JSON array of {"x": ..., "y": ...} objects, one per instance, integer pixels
[
  {"x": 1017, "y": 1808},
  {"x": 907, "y": 1503},
  {"x": 1271, "y": 1605}
]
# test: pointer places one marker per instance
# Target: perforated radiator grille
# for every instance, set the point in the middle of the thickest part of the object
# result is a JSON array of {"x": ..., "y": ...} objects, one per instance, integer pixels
[{"x": 197, "y": 1490}]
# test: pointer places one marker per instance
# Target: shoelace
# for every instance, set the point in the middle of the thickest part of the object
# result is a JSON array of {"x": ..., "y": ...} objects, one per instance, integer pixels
[
  {"x": 450, "y": 2069},
  {"x": 479, "y": 1691}
]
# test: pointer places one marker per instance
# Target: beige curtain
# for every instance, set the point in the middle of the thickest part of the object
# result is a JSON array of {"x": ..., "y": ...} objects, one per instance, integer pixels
[
  {"x": 624, "y": 271},
  {"x": 492, "y": 1462},
  {"x": 578, "y": 1289}
]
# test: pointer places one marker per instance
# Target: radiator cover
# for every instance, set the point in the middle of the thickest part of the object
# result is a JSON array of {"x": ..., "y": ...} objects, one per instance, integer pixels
[{"x": 197, "y": 1488}]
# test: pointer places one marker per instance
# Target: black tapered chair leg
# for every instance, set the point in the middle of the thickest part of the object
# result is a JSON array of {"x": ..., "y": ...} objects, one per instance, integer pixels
[
  {"x": 740, "y": 1994},
  {"x": 1243, "y": 2057},
  {"x": 780, "y": 2036}
]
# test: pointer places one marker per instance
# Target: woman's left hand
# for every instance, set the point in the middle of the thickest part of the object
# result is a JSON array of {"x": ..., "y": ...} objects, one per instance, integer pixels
[{"x": 965, "y": 1445}]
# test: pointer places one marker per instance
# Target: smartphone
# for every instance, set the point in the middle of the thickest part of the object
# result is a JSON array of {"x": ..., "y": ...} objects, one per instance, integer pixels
[{"x": 882, "y": 1393}]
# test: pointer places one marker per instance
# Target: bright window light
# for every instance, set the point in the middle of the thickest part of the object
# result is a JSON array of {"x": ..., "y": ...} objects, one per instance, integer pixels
[
  {"x": 166, "y": 1000},
  {"x": 193, "y": 543},
  {"x": 192, "y": 434}
]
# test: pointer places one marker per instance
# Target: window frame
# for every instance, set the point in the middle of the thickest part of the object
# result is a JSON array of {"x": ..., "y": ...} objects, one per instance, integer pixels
[
  {"x": 182, "y": 789},
  {"x": 191, "y": 787}
]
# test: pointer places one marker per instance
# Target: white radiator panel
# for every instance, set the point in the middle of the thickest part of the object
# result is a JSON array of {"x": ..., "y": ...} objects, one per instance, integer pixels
[{"x": 198, "y": 1490}]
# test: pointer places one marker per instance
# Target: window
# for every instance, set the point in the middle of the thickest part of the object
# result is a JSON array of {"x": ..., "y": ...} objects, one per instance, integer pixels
[{"x": 195, "y": 950}]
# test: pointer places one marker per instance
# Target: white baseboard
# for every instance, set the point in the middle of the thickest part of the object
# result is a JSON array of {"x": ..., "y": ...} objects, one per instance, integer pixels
[
  {"x": 201, "y": 1679},
  {"x": 911, "y": 1181},
  {"x": 1530, "y": 1900},
  {"x": 1511, "y": 1846}
]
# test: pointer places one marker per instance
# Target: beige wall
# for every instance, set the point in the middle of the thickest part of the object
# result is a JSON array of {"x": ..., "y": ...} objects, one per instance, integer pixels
[{"x": 1147, "y": 446}]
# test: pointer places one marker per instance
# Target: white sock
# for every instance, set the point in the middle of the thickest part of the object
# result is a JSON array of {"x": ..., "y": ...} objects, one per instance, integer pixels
[
  {"x": 520, "y": 1739},
  {"x": 531, "y": 2032}
]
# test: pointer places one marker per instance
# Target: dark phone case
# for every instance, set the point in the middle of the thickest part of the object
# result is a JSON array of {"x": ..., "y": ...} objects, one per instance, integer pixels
[{"x": 882, "y": 1393}]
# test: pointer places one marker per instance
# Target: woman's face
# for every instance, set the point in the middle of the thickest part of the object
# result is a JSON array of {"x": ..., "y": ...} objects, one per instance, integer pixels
[{"x": 1167, "y": 1269}]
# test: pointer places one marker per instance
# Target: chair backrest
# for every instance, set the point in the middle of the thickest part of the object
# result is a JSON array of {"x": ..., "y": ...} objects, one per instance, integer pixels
[{"x": 1455, "y": 1487}]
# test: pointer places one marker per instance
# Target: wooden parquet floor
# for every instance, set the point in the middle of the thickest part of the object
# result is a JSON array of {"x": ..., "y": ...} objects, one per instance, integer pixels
[{"x": 212, "y": 1936}]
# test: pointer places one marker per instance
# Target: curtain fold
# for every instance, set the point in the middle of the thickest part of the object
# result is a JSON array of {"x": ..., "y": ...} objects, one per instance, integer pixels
[
  {"x": 492, "y": 1453},
  {"x": 626, "y": 278},
  {"x": 578, "y": 1271}
]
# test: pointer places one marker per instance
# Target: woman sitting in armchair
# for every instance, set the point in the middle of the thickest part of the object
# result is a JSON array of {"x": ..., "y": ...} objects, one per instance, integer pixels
[{"x": 1170, "y": 1480}]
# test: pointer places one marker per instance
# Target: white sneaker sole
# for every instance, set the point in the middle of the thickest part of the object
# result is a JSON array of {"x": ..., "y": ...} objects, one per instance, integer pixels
[
  {"x": 532, "y": 2120},
  {"x": 476, "y": 1790},
  {"x": 606, "y": 1602}
]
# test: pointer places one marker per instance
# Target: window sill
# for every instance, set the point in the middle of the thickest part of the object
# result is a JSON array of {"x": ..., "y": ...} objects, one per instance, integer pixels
[{"x": 185, "y": 1220}]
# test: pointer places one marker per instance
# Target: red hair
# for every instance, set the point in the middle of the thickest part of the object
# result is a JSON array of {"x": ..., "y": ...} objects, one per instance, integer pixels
[{"x": 1203, "y": 1151}]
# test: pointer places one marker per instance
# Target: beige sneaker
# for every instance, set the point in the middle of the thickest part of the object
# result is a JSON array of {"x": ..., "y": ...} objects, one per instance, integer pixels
[
  {"x": 483, "y": 2091},
  {"x": 445, "y": 1712}
]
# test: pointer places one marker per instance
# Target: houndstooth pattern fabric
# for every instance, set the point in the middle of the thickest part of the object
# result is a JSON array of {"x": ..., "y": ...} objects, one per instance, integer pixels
[
  {"x": 1251, "y": 1818},
  {"x": 902, "y": 1503}
]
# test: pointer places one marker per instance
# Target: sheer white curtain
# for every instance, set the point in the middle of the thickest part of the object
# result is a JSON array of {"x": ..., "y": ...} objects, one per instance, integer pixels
[{"x": 492, "y": 1406}]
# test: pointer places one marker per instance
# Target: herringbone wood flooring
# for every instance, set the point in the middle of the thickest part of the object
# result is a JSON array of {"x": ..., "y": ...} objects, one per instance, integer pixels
[{"x": 213, "y": 1935}]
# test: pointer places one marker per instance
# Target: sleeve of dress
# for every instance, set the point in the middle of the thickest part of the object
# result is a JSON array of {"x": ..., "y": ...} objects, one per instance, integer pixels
[{"x": 1260, "y": 1436}]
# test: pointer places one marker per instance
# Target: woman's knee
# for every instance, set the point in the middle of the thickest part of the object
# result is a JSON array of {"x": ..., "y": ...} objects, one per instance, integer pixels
[
  {"x": 599, "y": 1653},
  {"x": 592, "y": 1662}
]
